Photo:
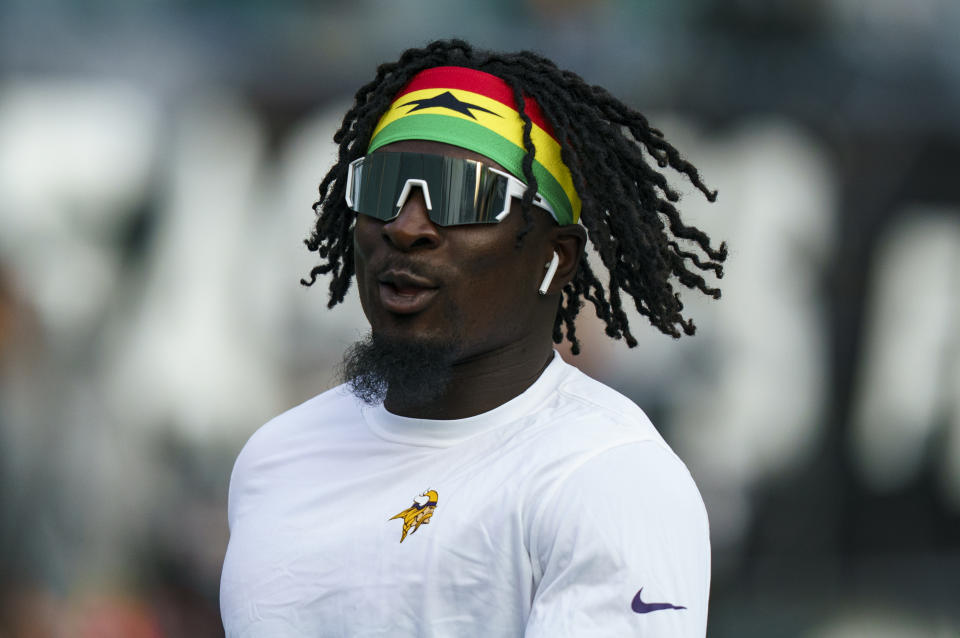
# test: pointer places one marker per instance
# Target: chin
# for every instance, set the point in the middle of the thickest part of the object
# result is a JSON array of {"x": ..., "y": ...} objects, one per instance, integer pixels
[
  {"x": 391, "y": 336},
  {"x": 433, "y": 326},
  {"x": 402, "y": 366}
]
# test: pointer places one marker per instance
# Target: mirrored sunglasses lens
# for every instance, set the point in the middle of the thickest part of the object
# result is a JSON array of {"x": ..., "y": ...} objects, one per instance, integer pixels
[{"x": 461, "y": 191}]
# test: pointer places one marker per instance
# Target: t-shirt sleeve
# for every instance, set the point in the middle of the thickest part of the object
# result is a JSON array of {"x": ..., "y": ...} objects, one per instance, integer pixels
[{"x": 622, "y": 548}]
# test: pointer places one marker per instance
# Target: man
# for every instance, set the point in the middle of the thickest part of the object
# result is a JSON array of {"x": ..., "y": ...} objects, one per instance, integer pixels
[{"x": 465, "y": 481}]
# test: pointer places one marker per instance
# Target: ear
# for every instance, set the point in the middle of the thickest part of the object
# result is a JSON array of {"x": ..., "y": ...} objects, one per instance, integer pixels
[{"x": 568, "y": 242}]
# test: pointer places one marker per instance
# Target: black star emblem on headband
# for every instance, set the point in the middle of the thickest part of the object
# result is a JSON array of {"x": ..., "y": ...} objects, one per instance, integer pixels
[{"x": 447, "y": 100}]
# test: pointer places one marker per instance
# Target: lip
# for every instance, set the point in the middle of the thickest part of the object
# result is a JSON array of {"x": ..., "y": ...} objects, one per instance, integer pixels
[{"x": 404, "y": 293}]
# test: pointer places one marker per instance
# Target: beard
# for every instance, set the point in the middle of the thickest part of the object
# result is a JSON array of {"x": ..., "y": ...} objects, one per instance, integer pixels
[{"x": 409, "y": 373}]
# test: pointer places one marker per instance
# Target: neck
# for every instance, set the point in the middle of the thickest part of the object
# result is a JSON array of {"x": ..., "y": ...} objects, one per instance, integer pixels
[{"x": 482, "y": 382}]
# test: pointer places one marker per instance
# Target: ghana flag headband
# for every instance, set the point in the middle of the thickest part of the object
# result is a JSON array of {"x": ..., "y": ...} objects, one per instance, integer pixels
[{"x": 476, "y": 110}]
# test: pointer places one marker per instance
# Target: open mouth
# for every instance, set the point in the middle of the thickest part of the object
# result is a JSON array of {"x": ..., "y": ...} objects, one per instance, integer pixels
[
  {"x": 406, "y": 291},
  {"x": 405, "y": 299},
  {"x": 402, "y": 293}
]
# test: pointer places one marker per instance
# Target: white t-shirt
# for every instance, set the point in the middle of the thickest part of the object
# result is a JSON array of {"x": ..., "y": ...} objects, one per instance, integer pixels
[{"x": 560, "y": 513}]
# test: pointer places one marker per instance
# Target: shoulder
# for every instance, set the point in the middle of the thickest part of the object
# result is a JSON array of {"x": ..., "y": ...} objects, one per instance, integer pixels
[
  {"x": 593, "y": 447},
  {"x": 592, "y": 414},
  {"x": 304, "y": 419},
  {"x": 299, "y": 428},
  {"x": 617, "y": 473},
  {"x": 636, "y": 483},
  {"x": 580, "y": 387}
]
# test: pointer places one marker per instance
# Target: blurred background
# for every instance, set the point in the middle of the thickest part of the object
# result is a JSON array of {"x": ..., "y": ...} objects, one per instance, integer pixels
[{"x": 158, "y": 161}]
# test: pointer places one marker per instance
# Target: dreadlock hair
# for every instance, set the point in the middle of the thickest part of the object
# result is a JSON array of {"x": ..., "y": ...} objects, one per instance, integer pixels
[{"x": 627, "y": 205}]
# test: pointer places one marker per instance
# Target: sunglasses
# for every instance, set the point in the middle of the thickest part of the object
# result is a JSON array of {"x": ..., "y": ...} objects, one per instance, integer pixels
[{"x": 456, "y": 191}]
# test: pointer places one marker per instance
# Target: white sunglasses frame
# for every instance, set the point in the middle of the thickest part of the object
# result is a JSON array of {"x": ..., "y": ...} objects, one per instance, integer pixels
[{"x": 515, "y": 189}]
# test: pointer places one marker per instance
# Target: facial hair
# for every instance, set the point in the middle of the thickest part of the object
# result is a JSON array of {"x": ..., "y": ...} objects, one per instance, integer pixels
[{"x": 412, "y": 373}]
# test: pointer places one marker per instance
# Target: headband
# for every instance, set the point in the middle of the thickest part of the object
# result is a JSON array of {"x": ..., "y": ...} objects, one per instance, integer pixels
[{"x": 476, "y": 111}]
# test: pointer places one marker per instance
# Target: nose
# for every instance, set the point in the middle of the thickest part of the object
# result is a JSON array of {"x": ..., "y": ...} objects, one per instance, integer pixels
[{"x": 412, "y": 228}]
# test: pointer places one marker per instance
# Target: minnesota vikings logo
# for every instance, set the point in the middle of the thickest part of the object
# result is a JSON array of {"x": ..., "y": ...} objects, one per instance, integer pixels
[{"x": 419, "y": 513}]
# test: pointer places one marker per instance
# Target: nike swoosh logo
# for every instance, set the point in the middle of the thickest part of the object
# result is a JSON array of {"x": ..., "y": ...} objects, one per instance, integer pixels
[{"x": 645, "y": 608}]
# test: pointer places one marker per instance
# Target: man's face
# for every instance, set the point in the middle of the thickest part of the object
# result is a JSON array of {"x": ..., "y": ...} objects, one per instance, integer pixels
[{"x": 468, "y": 286}]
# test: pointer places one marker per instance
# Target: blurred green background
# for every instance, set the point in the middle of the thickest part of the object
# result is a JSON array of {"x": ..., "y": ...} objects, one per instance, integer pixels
[{"x": 158, "y": 161}]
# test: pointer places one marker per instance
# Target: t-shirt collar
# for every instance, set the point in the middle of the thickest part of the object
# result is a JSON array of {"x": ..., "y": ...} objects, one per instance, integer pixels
[{"x": 448, "y": 432}]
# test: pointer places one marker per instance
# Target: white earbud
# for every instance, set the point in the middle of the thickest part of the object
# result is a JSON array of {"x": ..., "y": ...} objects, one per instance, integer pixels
[{"x": 551, "y": 271}]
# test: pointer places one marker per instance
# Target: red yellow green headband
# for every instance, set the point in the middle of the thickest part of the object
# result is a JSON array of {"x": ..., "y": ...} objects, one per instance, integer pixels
[{"x": 475, "y": 110}]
